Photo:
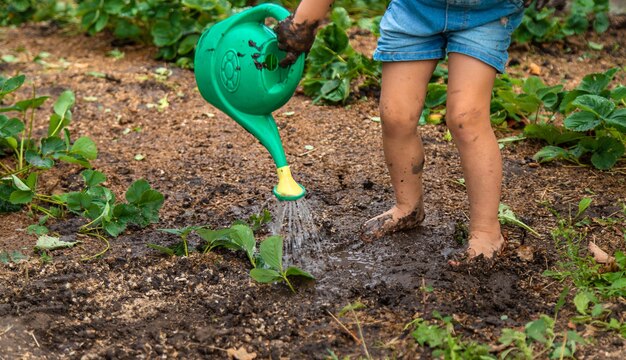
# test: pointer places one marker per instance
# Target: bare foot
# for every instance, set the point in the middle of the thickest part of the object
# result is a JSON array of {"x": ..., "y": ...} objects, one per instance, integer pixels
[
  {"x": 480, "y": 243},
  {"x": 391, "y": 221}
]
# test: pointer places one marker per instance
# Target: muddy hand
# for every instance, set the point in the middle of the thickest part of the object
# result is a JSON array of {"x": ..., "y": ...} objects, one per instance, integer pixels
[
  {"x": 294, "y": 39},
  {"x": 539, "y": 4}
]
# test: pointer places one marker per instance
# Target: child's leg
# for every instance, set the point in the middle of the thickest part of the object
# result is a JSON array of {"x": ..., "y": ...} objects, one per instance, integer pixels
[
  {"x": 470, "y": 83},
  {"x": 402, "y": 98}
]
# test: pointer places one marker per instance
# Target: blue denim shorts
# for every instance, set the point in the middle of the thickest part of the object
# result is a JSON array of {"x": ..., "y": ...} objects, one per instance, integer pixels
[{"x": 414, "y": 30}]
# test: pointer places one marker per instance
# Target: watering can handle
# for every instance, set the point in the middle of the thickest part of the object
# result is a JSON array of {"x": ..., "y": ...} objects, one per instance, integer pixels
[{"x": 260, "y": 12}]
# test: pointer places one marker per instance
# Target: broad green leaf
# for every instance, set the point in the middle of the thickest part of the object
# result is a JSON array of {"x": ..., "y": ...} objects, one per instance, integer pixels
[
  {"x": 33, "y": 158},
  {"x": 114, "y": 6},
  {"x": 12, "y": 84},
  {"x": 161, "y": 249},
  {"x": 30, "y": 103},
  {"x": 617, "y": 120},
  {"x": 619, "y": 93},
  {"x": 511, "y": 336},
  {"x": 294, "y": 271},
  {"x": 271, "y": 250},
  {"x": 596, "y": 104},
  {"x": 601, "y": 22},
  {"x": 582, "y": 121},
  {"x": 165, "y": 33},
  {"x": 188, "y": 44},
  {"x": 36, "y": 229},
  {"x": 10, "y": 127},
  {"x": 265, "y": 275},
  {"x": 21, "y": 197},
  {"x": 85, "y": 147},
  {"x": 583, "y": 205},
  {"x": 4, "y": 257},
  {"x": 607, "y": 153},
  {"x": 596, "y": 83},
  {"x": 582, "y": 300},
  {"x": 507, "y": 216},
  {"x": 436, "y": 95},
  {"x": 19, "y": 183},
  {"x": 136, "y": 190},
  {"x": 339, "y": 16},
  {"x": 537, "y": 330},
  {"x": 126, "y": 30},
  {"x": 52, "y": 145},
  {"x": 245, "y": 238},
  {"x": 57, "y": 123},
  {"x": 115, "y": 228},
  {"x": 74, "y": 159},
  {"x": 48, "y": 243},
  {"x": 101, "y": 23},
  {"x": 93, "y": 177},
  {"x": 64, "y": 103}
]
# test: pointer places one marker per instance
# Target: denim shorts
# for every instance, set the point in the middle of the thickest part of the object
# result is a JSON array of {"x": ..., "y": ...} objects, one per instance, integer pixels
[{"x": 414, "y": 30}]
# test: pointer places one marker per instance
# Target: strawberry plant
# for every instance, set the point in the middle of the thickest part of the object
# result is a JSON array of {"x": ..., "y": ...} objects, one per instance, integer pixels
[
  {"x": 25, "y": 158},
  {"x": 334, "y": 68},
  {"x": 271, "y": 252},
  {"x": 99, "y": 204},
  {"x": 594, "y": 126}
]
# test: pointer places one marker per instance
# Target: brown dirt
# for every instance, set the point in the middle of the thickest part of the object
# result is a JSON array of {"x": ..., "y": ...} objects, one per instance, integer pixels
[{"x": 134, "y": 303}]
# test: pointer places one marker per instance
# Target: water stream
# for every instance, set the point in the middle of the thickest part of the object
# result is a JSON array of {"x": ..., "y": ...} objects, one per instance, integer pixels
[{"x": 294, "y": 221}]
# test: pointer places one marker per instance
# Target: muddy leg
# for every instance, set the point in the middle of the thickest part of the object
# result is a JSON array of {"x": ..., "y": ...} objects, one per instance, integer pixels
[
  {"x": 402, "y": 98},
  {"x": 470, "y": 82}
]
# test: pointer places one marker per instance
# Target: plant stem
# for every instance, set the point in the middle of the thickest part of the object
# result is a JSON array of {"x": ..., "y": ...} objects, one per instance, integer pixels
[
  {"x": 20, "y": 154},
  {"x": 358, "y": 325},
  {"x": 288, "y": 283},
  {"x": 106, "y": 242},
  {"x": 184, "y": 237}
]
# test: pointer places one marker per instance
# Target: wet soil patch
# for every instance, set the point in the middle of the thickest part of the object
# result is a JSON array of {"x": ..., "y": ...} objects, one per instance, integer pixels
[{"x": 134, "y": 303}]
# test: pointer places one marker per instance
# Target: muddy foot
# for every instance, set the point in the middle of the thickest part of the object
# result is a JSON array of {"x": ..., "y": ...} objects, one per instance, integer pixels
[
  {"x": 477, "y": 247},
  {"x": 390, "y": 222}
]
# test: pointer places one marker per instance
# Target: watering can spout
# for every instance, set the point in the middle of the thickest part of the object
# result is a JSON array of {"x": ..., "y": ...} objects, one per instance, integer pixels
[{"x": 236, "y": 68}]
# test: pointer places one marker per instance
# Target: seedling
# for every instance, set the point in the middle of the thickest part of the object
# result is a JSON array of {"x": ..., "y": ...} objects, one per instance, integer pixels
[
  {"x": 507, "y": 216},
  {"x": 14, "y": 256},
  {"x": 183, "y": 233},
  {"x": 271, "y": 251}
]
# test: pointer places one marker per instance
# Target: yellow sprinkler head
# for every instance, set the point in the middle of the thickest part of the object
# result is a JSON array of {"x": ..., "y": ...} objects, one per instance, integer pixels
[{"x": 287, "y": 189}]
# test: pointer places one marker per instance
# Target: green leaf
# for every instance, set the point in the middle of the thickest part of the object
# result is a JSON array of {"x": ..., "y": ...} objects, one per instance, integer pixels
[
  {"x": 101, "y": 23},
  {"x": 607, "y": 153},
  {"x": 596, "y": 83},
  {"x": 136, "y": 190},
  {"x": 583, "y": 205},
  {"x": 165, "y": 33},
  {"x": 617, "y": 120},
  {"x": 52, "y": 145},
  {"x": 93, "y": 177},
  {"x": 582, "y": 121},
  {"x": 10, "y": 127},
  {"x": 49, "y": 243},
  {"x": 537, "y": 330},
  {"x": 619, "y": 93},
  {"x": 33, "y": 158},
  {"x": 10, "y": 85},
  {"x": 244, "y": 236},
  {"x": 339, "y": 16},
  {"x": 188, "y": 44},
  {"x": 271, "y": 250},
  {"x": 351, "y": 307},
  {"x": 36, "y": 229},
  {"x": 506, "y": 216},
  {"x": 85, "y": 147},
  {"x": 126, "y": 30},
  {"x": 19, "y": 183},
  {"x": 294, "y": 271},
  {"x": 595, "y": 104},
  {"x": 582, "y": 300},
  {"x": 30, "y": 103},
  {"x": 601, "y": 22},
  {"x": 265, "y": 275},
  {"x": 64, "y": 103},
  {"x": 200, "y": 5},
  {"x": 21, "y": 197},
  {"x": 551, "y": 153},
  {"x": 162, "y": 249},
  {"x": 115, "y": 228}
]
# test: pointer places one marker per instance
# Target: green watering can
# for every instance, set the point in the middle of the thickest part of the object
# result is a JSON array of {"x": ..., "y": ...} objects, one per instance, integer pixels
[{"x": 237, "y": 71}]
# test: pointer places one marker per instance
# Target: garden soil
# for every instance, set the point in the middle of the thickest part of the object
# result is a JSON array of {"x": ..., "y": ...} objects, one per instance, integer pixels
[{"x": 133, "y": 302}]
